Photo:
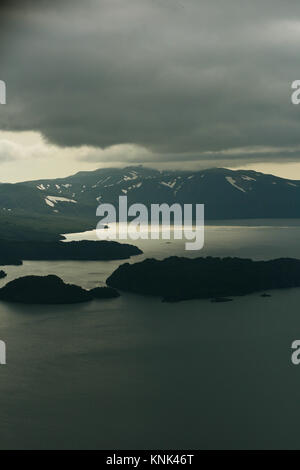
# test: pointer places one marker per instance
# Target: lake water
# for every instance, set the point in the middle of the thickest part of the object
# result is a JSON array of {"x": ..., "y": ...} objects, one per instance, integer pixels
[{"x": 136, "y": 373}]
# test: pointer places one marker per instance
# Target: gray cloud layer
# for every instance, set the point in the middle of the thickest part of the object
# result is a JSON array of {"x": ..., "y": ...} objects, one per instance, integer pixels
[{"x": 187, "y": 79}]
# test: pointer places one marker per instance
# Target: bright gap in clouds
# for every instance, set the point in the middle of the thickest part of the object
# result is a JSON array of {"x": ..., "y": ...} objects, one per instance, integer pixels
[
  {"x": 28, "y": 156},
  {"x": 289, "y": 170}
]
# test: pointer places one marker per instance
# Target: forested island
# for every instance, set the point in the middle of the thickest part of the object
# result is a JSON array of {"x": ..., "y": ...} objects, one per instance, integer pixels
[
  {"x": 51, "y": 290},
  {"x": 175, "y": 279}
]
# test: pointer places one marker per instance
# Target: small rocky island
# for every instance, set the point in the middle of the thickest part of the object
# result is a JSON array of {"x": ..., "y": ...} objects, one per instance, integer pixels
[
  {"x": 51, "y": 290},
  {"x": 176, "y": 279}
]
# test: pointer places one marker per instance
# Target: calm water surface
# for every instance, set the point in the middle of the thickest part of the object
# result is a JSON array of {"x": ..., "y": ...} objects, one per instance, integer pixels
[{"x": 136, "y": 373}]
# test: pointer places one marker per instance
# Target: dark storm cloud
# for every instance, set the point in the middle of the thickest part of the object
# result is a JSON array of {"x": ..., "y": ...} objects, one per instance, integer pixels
[{"x": 187, "y": 79}]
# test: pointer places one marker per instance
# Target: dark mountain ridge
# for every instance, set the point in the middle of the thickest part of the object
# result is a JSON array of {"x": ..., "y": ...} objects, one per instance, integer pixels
[
  {"x": 45, "y": 208},
  {"x": 225, "y": 193}
]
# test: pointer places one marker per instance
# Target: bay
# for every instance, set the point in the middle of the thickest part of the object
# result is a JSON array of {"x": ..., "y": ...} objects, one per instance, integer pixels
[{"x": 136, "y": 373}]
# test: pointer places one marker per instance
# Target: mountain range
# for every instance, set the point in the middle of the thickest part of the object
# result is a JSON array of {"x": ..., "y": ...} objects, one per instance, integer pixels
[{"x": 53, "y": 206}]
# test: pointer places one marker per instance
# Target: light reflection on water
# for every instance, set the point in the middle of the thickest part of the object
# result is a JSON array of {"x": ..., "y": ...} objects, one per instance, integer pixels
[{"x": 134, "y": 372}]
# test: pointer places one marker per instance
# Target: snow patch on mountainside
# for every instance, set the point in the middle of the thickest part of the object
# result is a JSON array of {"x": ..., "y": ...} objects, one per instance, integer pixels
[
  {"x": 233, "y": 183},
  {"x": 52, "y": 200},
  {"x": 131, "y": 176},
  {"x": 49, "y": 203},
  {"x": 134, "y": 186},
  {"x": 170, "y": 184},
  {"x": 248, "y": 178}
]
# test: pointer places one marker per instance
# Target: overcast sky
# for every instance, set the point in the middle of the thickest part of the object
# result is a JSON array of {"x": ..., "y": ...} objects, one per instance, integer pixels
[{"x": 166, "y": 83}]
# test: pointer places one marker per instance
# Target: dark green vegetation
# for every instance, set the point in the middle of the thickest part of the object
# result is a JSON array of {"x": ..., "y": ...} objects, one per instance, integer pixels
[
  {"x": 81, "y": 250},
  {"x": 176, "y": 279},
  {"x": 28, "y": 227},
  {"x": 50, "y": 290},
  {"x": 2, "y": 274},
  {"x": 42, "y": 290}
]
